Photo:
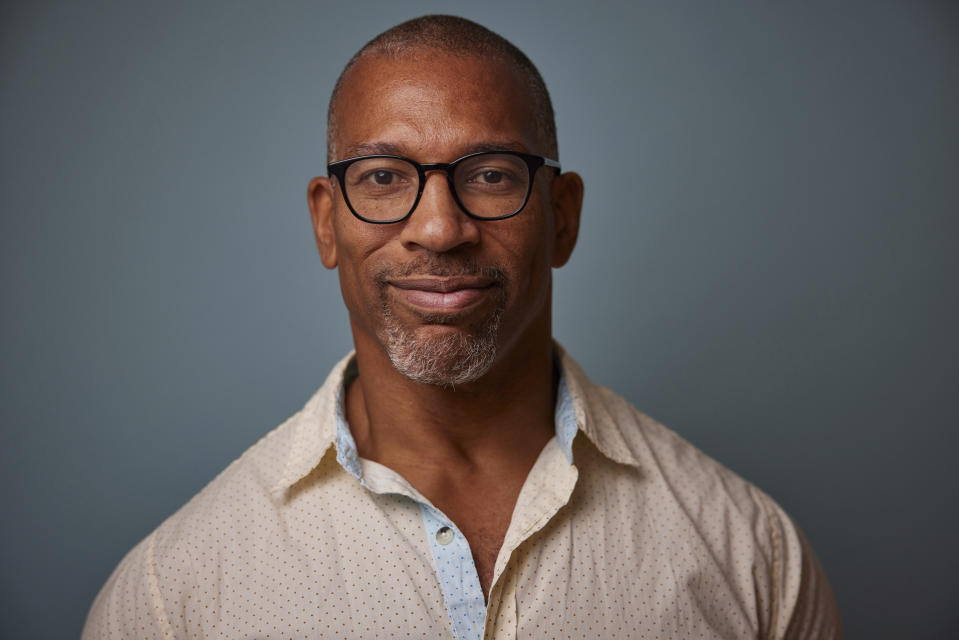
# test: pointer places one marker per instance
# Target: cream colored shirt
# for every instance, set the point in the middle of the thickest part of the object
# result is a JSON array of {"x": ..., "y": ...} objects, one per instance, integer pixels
[{"x": 621, "y": 530}]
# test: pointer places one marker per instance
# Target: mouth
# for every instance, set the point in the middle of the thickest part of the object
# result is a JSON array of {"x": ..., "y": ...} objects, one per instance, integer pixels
[{"x": 442, "y": 295}]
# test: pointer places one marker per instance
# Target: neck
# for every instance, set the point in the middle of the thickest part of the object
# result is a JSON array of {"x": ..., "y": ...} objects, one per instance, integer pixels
[{"x": 501, "y": 420}]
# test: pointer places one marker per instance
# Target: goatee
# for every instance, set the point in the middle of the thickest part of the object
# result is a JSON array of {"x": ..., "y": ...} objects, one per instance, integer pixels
[{"x": 444, "y": 358}]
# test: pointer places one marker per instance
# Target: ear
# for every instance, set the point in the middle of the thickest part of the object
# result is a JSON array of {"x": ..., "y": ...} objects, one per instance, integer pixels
[
  {"x": 320, "y": 197},
  {"x": 566, "y": 196}
]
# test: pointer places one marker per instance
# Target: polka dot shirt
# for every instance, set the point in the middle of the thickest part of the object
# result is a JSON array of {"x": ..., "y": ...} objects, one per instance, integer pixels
[{"x": 621, "y": 530}]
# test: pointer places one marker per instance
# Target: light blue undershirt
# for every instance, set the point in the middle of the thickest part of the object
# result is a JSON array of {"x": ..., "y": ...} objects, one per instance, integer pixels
[{"x": 453, "y": 562}]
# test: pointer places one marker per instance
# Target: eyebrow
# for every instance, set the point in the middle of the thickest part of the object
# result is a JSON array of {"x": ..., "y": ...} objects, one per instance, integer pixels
[{"x": 390, "y": 149}]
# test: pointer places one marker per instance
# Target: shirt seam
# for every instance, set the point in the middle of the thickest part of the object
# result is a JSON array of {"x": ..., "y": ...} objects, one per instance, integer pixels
[
  {"x": 154, "y": 582},
  {"x": 776, "y": 544}
]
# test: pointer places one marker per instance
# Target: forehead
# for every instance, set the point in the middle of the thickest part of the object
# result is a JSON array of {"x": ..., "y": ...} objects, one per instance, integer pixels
[{"x": 430, "y": 104}]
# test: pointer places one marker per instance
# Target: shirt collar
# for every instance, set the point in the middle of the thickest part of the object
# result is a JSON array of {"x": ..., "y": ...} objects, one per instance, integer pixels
[
  {"x": 580, "y": 407},
  {"x": 592, "y": 405}
]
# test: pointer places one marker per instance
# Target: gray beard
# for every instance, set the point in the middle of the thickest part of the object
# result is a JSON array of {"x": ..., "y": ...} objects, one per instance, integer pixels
[{"x": 453, "y": 358}]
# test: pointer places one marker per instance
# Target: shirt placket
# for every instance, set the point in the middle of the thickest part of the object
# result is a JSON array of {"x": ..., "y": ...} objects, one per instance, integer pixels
[
  {"x": 456, "y": 573},
  {"x": 548, "y": 488}
]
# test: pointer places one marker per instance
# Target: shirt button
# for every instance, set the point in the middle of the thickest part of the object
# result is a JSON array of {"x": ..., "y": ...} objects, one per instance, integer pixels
[{"x": 444, "y": 536}]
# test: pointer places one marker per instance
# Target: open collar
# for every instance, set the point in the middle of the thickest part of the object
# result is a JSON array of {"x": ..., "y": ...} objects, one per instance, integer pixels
[{"x": 580, "y": 407}]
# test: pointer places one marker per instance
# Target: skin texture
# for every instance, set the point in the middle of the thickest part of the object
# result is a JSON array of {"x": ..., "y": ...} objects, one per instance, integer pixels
[{"x": 468, "y": 449}]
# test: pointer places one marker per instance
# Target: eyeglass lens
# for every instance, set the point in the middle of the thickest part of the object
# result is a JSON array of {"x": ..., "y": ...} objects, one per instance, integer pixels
[{"x": 487, "y": 185}]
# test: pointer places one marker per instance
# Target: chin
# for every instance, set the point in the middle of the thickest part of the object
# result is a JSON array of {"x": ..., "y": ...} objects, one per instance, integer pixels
[{"x": 442, "y": 355}]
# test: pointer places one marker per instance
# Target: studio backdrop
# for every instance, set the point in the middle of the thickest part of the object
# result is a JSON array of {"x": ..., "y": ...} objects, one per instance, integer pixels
[{"x": 767, "y": 262}]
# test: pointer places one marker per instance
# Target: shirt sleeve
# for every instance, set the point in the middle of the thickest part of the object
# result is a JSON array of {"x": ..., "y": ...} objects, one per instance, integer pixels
[
  {"x": 815, "y": 614},
  {"x": 129, "y": 605},
  {"x": 805, "y": 607}
]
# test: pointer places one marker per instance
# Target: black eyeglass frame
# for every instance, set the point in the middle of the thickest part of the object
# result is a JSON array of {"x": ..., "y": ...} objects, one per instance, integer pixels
[{"x": 533, "y": 163}]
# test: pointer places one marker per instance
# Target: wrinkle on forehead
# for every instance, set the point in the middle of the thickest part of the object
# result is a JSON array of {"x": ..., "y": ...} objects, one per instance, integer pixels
[
  {"x": 433, "y": 104},
  {"x": 388, "y": 148}
]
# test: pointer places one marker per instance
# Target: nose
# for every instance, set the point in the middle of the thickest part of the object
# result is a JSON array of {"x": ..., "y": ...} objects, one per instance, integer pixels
[{"x": 438, "y": 224}]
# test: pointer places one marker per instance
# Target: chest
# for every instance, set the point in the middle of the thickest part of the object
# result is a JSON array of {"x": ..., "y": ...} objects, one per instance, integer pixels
[
  {"x": 483, "y": 516},
  {"x": 357, "y": 572}
]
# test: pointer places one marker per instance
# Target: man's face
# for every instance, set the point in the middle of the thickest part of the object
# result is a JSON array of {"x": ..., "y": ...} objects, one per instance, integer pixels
[{"x": 445, "y": 296}]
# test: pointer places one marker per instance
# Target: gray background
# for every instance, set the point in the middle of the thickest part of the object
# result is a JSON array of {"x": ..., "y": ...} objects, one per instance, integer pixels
[{"x": 767, "y": 262}]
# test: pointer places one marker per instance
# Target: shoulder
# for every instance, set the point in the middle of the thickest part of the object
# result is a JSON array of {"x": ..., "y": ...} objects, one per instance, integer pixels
[
  {"x": 626, "y": 435},
  {"x": 706, "y": 508},
  {"x": 230, "y": 516},
  {"x": 158, "y": 575},
  {"x": 676, "y": 474}
]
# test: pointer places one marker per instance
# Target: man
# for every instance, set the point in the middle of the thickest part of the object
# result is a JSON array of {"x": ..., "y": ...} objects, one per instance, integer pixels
[{"x": 459, "y": 476}]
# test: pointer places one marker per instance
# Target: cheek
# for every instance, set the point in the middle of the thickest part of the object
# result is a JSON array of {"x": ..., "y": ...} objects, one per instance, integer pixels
[
  {"x": 530, "y": 262},
  {"x": 357, "y": 243},
  {"x": 538, "y": 281}
]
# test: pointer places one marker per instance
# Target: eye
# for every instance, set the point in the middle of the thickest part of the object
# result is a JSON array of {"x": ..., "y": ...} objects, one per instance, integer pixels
[
  {"x": 492, "y": 174},
  {"x": 379, "y": 177},
  {"x": 491, "y": 177},
  {"x": 383, "y": 177}
]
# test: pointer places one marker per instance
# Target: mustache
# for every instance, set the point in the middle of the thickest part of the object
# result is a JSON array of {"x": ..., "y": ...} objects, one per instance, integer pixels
[{"x": 441, "y": 267}]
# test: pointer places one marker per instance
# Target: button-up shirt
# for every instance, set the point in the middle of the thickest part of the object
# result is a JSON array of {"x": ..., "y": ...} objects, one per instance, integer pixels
[{"x": 621, "y": 530}]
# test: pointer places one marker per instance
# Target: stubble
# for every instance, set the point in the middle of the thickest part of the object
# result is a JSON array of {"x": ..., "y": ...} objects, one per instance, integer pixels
[{"x": 445, "y": 358}]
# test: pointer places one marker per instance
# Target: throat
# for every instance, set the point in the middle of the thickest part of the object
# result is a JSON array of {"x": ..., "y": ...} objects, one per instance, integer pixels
[
  {"x": 481, "y": 509},
  {"x": 468, "y": 452}
]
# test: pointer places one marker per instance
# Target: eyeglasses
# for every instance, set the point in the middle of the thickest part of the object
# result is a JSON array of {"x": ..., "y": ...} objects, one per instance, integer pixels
[{"x": 490, "y": 185}]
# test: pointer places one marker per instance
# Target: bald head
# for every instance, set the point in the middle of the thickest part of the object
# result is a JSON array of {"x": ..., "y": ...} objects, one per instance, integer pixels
[{"x": 455, "y": 37}]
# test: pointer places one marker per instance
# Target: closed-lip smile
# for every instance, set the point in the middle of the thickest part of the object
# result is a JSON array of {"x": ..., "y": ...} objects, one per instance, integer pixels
[{"x": 442, "y": 294}]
